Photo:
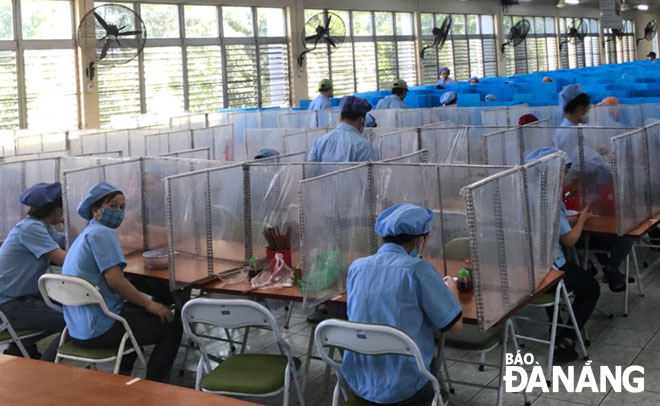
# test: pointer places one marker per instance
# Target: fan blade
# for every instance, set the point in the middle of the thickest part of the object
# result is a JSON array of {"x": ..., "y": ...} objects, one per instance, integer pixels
[
  {"x": 327, "y": 23},
  {"x": 129, "y": 33},
  {"x": 104, "y": 51},
  {"x": 118, "y": 43},
  {"x": 331, "y": 42},
  {"x": 313, "y": 37},
  {"x": 101, "y": 21}
]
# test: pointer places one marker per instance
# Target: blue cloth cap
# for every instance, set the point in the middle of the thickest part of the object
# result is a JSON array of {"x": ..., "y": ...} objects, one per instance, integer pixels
[
  {"x": 490, "y": 97},
  {"x": 41, "y": 194},
  {"x": 569, "y": 93},
  {"x": 541, "y": 152},
  {"x": 354, "y": 104},
  {"x": 445, "y": 69},
  {"x": 266, "y": 153},
  {"x": 473, "y": 78},
  {"x": 447, "y": 98},
  {"x": 404, "y": 218},
  {"x": 97, "y": 193}
]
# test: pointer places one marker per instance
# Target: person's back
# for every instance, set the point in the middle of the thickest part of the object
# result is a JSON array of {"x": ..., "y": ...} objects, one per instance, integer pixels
[
  {"x": 345, "y": 143},
  {"x": 322, "y": 100},
  {"x": 391, "y": 102},
  {"x": 395, "y": 287}
]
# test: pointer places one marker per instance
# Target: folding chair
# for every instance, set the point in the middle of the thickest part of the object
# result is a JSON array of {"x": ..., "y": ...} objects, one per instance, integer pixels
[
  {"x": 73, "y": 291},
  {"x": 257, "y": 375},
  {"x": 473, "y": 340},
  {"x": 369, "y": 339},
  {"x": 8, "y": 335}
]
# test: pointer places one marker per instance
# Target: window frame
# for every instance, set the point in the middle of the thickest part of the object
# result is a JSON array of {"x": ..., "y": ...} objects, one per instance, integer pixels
[
  {"x": 428, "y": 39},
  {"x": 549, "y": 55},
  {"x": 565, "y": 58},
  {"x": 615, "y": 50}
]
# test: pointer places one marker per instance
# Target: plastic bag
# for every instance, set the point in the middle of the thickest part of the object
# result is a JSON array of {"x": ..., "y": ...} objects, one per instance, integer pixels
[
  {"x": 234, "y": 278},
  {"x": 281, "y": 276}
]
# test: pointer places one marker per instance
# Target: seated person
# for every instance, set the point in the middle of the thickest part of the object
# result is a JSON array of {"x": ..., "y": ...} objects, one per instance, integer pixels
[
  {"x": 444, "y": 78},
  {"x": 96, "y": 256},
  {"x": 448, "y": 98},
  {"x": 611, "y": 119},
  {"x": 490, "y": 98},
  {"x": 397, "y": 288},
  {"x": 583, "y": 284},
  {"x": 266, "y": 153},
  {"x": 474, "y": 80},
  {"x": 527, "y": 119},
  {"x": 24, "y": 256},
  {"x": 322, "y": 100},
  {"x": 395, "y": 100},
  {"x": 547, "y": 79}
]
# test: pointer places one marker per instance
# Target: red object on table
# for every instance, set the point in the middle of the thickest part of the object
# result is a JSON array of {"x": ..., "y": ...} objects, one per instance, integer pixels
[
  {"x": 607, "y": 199},
  {"x": 270, "y": 255},
  {"x": 572, "y": 201}
]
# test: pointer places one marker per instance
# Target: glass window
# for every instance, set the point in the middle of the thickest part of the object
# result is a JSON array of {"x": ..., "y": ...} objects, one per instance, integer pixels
[
  {"x": 6, "y": 20},
  {"x": 271, "y": 22},
  {"x": 237, "y": 22},
  {"x": 487, "y": 26},
  {"x": 473, "y": 25},
  {"x": 46, "y": 19},
  {"x": 362, "y": 24},
  {"x": 549, "y": 25},
  {"x": 346, "y": 18},
  {"x": 161, "y": 20},
  {"x": 201, "y": 21},
  {"x": 163, "y": 79},
  {"x": 427, "y": 23},
  {"x": 384, "y": 25},
  {"x": 539, "y": 25},
  {"x": 204, "y": 78},
  {"x": 8, "y": 90},
  {"x": 274, "y": 71},
  {"x": 241, "y": 76},
  {"x": 404, "y": 24},
  {"x": 458, "y": 24}
]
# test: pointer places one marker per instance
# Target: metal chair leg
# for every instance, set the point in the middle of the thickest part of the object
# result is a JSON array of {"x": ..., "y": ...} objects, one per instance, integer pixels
[
  {"x": 578, "y": 334},
  {"x": 639, "y": 279},
  {"x": 289, "y": 312},
  {"x": 500, "y": 386},
  {"x": 553, "y": 333},
  {"x": 482, "y": 360},
  {"x": 310, "y": 348},
  {"x": 625, "y": 295},
  {"x": 516, "y": 348}
]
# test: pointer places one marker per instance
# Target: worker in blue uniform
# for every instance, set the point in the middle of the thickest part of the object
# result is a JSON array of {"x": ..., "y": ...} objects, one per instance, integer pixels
[
  {"x": 395, "y": 100},
  {"x": 346, "y": 143},
  {"x": 30, "y": 247},
  {"x": 322, "y": 101},
  {"x": 444, "y": 78},
  {"x": 96, "y": 256},
  {"x": 397, "y": 287}
]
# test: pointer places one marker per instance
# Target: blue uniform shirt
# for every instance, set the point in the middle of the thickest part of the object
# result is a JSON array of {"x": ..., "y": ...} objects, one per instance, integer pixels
[
  {"x": 396, "y": 289},
  {"x": 564, "y": 227},
  {"x": 93, "y": 252},
  {"x": 567, "y": 141},
  {"x": 343, "y": 144},
  {"x": 391, "y": 102},
  {"x": 22, "y": 259},
  {"x": 449, "y": 81},
  {"x": 319, "y": 103}
]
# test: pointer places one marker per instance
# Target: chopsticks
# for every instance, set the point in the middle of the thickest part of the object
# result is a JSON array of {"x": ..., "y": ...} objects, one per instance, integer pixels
[{"x": 277, "y": 241}]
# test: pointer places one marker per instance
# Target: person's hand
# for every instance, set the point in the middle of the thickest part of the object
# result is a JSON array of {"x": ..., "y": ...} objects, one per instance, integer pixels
[
  {"x": 161, "y": 311},
  {"x": 586, "y": 215},
  {"x": 451, "y": 284}
]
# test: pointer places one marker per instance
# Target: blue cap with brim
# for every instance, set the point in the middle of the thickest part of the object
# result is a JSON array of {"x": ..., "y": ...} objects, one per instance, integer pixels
[
  {"x": 355, "y": 105},
  {"x": 541, "y": 152},
  {"x": 404, "y": 218},
  {"x": 41, "y": 194},
  {"x": 266, "y": 153},
  {"x": 568, "y": 93},
  {"x": 97, "y": 193}
]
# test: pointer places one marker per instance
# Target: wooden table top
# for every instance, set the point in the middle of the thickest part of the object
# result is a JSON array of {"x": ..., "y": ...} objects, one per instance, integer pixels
[
  {"x": 188, "y": 269},
  {"x": 30, "y": 382},
  {"x": 607, "y": 225}
]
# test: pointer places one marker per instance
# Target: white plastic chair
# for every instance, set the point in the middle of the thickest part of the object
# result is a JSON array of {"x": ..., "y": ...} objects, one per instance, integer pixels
[
  {"x": 8, "y": 335},
  {"x": 73, "y": 291},
  {"x": 236, "y": 314},
  {"x": 369, "y": 339}
]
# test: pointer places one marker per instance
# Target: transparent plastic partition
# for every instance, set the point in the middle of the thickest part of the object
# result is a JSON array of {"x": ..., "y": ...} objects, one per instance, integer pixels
[
  {"x": 544, "y": 194},
  {"x": 336, "y": 229},
  {"x": 12, "y": 186},
  {"x": 268, "y": 117},
  {"x": 632, "y": 180},
  {"x": 7, "y": 143},
  {"x": 497, "y": 117},
  {"x": 418, "y": 157},
  {"x": 195, "y": 153},
  {"x": 386, "y": 118},
  {"x": 414, "y": 117},
  {"x": 650, "y": 113},
  {"x": 616, "y": 116},
  {"x": 302, "y": 141},
  {"x": 158, "y": 144},
  {"x": 327, "y": 117},
  {"x": 108, "y": 154},
  {"x": 446, "y": 145},
  {"x": 188, "y": 122},
  {"x": 397, "y": 143},
  {"x": 534, "y": 137},
  {"x": 503, "y": 147},
  {"x": 76, "y": 183},
  {"x": 39, "y": 143},
  {"x": 41, "y": 170},
  {"x": 258, "y": 138},
  {"x": 274, "y": 203},
  {"x": 136, "y": 139},
  {"x": 220, "y": 141},
  {"x": 499, "y": 244},
  {"x": 290, "y": 158},
  {"x": 457, "y": 115},
  {"x": 297, "y": 119},
  {"x": 653, "y": 137}
]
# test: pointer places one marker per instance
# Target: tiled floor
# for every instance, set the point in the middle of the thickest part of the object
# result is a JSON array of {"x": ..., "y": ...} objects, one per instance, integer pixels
[{"x": 634, "y": 340}]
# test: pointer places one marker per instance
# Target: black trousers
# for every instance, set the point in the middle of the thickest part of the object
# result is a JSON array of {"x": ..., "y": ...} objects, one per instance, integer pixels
[
  {"x": 586, "y": 291},
  {"x": 618, "y": 247},
  {"x": 424, "y": 396},
  {"x": 148, "y": 330}
]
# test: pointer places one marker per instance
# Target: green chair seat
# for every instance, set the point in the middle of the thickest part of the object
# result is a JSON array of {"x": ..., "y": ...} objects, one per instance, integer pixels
[
  {"x": 248, "y": 373},
  {"x": 4, "y": 335},
  {"x": 73, "y": 350},
  {"x": 544, "y": 299},
  {"x": 472, "y": 339},
  {"x": 361, "y": 402}
]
